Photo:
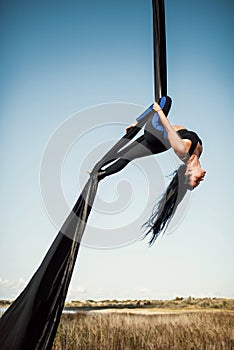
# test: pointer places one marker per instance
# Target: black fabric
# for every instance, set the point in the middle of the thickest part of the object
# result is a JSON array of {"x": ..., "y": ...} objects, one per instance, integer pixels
[
  {"x": 192, "y": 136},
  {"x": 167, "y": 106},
  {"x": 32, "y": 319},
  {"x": 155, "y": 139},
  {"x": 144, "y": 146},
  {"x": 159, "y": 37},
  {"x": 30, "y": 323}
]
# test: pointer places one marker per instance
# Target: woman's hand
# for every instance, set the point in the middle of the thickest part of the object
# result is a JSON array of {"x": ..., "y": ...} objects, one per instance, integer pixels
[
  {"x": 130, "y": 127},
  {"x": 156, "y": 107},
  {"x": 175, "y": 141}
]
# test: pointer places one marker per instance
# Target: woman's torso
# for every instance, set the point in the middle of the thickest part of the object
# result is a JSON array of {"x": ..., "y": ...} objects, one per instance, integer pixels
[
  {"x": 156, "y": 136},
  {"x": 191, "y": 140}
]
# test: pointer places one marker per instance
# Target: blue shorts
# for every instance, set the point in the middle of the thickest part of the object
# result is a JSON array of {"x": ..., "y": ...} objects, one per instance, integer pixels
[{"x": 156, "y": 135}]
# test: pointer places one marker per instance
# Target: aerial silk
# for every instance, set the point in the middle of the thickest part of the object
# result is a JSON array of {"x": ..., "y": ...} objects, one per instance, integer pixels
[
  {"x": 32, "y": 319},
  {"x": 160, "y": 60}
]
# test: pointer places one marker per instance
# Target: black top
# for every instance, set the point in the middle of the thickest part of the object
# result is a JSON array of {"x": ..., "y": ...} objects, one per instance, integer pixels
[{"x": 192, "y": 136}]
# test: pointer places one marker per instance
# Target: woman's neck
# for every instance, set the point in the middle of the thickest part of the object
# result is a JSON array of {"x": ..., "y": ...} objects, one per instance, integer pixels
[{"x": 193, "y": 162}]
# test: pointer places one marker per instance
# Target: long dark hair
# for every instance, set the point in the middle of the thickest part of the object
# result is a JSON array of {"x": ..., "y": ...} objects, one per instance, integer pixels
[{"x": 166, "y": 207}]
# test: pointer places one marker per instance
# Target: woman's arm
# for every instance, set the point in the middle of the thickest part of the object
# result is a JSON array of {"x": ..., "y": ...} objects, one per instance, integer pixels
[{"x": 175, "y": 141}]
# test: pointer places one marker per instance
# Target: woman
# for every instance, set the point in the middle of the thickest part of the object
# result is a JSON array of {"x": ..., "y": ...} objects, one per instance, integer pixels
[{"x": 159, "y": 136}]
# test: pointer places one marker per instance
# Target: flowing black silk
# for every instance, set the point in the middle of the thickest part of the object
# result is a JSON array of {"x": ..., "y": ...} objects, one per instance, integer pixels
[
  {"x": 160, "y": 61},
  {"x": 31, "y": 322}
]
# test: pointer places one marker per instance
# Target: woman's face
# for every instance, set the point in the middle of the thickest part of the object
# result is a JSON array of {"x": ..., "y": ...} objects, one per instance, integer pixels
[{"x": 195, "y": 176}]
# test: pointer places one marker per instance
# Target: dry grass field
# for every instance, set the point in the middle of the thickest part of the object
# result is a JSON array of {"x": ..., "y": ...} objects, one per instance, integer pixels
[
  {"x": 178, "y": 324},
  {"x": 186, "y": 330},
  {"x": 178, "y": 303}
]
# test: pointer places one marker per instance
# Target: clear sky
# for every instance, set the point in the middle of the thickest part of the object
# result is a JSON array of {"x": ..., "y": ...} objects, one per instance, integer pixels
[{"x": 59, "y": 59}]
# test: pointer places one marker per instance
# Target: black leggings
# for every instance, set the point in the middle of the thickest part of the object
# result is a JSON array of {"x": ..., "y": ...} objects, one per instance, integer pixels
[{"x": 149, "y": 143}]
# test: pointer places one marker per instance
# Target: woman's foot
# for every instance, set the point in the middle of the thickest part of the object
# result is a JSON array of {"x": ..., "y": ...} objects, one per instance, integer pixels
[{"x": 100, "y": 175}]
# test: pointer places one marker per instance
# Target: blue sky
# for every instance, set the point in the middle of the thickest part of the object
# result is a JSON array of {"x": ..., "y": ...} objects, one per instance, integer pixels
[{"x": 59, "y": 58}]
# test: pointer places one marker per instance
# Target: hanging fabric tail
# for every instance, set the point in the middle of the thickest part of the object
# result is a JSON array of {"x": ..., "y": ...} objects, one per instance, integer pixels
[
  {"x": 31, "y": 322},
  {"x": 159, "y": 38}
]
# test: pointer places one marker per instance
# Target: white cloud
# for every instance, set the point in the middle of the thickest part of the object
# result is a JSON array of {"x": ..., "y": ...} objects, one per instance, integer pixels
[
  {"x": 5, "y": 283},
  {"x": 10, "y": 289},
  {"x": 77, "y": 292}
]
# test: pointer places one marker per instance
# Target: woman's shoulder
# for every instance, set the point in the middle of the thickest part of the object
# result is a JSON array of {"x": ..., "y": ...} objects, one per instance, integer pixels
[{"x": 178, "y": 127}]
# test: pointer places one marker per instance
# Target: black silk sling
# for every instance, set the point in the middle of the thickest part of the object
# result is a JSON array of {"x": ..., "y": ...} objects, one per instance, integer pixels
[{"x": 31, "y": 322}]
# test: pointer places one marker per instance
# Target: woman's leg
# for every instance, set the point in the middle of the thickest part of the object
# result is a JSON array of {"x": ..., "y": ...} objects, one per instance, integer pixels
[
  {"x": 152, "y": 142},
  {"x": 156, "y": 135},
  {"x": 139, "y": 148},
  {"x": 117, "y": 166}
]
